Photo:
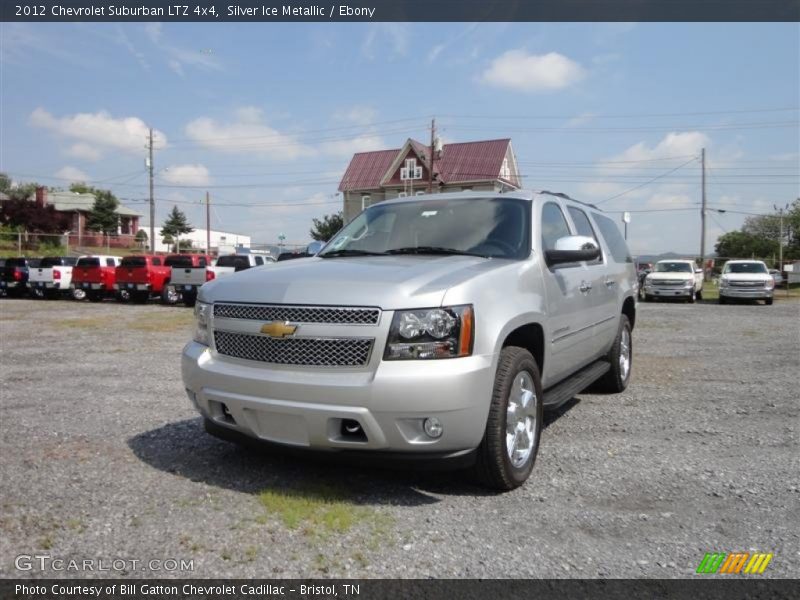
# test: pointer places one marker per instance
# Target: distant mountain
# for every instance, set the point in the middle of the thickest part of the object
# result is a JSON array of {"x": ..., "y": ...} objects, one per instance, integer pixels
[{"x": 653, "y": 258}]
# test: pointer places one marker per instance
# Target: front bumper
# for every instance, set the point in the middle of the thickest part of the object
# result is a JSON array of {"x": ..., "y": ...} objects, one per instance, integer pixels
[
  {"x": 10, "y": 284},
  {"x": 305, "y": 407},
  {"x": 668, "y": 291},
  {"x": 743, "y": 292}
]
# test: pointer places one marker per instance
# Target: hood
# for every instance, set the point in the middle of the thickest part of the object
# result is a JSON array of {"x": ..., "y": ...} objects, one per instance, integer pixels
[
  {"x": 661, "y": 276},
  {"x": 388, "y": 282}
]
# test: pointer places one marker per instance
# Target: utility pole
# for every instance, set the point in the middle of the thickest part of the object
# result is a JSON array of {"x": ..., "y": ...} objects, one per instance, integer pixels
[
  {"x": 780, "y": 239},
  {"x": 432, "y": 151},
  {"x": 152, "y": 199},
  {"x": 703, "y": 214},
  {"x": 208, "y": 224}
]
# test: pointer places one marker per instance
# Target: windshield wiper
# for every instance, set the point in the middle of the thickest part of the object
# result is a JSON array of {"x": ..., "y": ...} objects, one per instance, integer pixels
[
  {"x": 350, "y": 252},
  {"x": 433, "y": 250}
]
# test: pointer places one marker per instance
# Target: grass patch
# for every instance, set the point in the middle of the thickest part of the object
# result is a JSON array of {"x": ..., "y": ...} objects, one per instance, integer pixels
[{"x": 167, "y": 321}]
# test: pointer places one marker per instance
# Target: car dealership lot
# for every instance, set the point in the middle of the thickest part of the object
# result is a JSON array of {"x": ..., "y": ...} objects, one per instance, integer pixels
[{"x": 101, "y": 457}]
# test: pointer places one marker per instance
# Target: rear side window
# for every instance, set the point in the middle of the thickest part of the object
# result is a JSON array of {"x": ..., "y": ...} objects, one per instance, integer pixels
[
  {"x": 614, "y": 240},
  {"x": 584, "y": 227},
  {"x": 110, "y": 262},
  {"x": 135, "y": 261},
  {"x": 554, "y": 225},
  {"x": 156, "y": 261},
  {"x": 88, "y": 261},
  {"x": 69, "y": 261},
  {"x": 239, "y": 262},
  {"x": 202, "y": 261},
  {"x": 259, "y": 260}
]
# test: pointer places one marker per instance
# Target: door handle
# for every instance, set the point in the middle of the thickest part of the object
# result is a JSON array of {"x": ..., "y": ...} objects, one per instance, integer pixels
[
  {"x": 610, "y": 282},
  {"x": 585, "y": 286}
]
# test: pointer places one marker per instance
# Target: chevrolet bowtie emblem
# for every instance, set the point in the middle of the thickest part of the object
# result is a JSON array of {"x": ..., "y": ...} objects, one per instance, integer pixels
[{"x": 278, "y": 329}]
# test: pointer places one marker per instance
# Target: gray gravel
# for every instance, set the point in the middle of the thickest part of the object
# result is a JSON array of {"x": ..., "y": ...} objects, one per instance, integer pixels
[{"x": 102, "y": 457}]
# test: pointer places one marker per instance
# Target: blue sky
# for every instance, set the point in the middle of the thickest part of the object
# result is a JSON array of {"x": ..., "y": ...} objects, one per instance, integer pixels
[{"x": 266, "y": 116}]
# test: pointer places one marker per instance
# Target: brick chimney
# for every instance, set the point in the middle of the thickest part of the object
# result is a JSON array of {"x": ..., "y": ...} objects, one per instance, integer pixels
[{"x": 41, "y": 196}]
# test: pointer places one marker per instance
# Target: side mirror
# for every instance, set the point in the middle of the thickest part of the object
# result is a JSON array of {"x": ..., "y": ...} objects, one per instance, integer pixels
[
  {"x": 698, "y": 270},
  {"x": 573, "y": 248},
  {"x": 314, "y": 247}
]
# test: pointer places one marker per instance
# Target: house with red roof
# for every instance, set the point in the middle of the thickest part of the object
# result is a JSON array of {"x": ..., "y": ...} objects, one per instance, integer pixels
[{"x": 371, "y": 177}]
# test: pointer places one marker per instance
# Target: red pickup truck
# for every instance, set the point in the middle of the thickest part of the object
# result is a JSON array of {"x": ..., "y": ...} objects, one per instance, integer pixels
[
  {"x": 142, "y": 276},
  {"x": 94, "y": 276}
]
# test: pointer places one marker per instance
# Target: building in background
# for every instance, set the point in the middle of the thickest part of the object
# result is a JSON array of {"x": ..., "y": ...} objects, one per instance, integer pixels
[
  {"x": 371, "y": 177},
  {"x": 222, "y": 242}
]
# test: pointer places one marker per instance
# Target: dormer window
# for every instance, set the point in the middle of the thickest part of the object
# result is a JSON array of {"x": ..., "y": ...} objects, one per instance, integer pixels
[
  {"x": 505, "y": 172},
  {"x": 411, "y": 170}
]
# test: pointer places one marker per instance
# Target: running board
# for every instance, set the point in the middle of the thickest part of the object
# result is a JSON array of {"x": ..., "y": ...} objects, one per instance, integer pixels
[{"x": 574, "y": 384}]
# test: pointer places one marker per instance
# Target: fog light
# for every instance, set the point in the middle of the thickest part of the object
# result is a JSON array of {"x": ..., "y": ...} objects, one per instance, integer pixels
[{"x": 433, "y": 428}]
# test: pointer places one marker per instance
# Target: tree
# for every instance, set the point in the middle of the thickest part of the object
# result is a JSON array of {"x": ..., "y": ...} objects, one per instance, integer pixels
[
  {"x": 325, "y": 228},
  {"x": 175, "y": 226},
  {"x": 19, "y": 191},
  {"x": 21, "y": 213},
  {"x": 103, "y": 216},
  {"x": 740, "y": 244},
  {"x": 141, "y": 238}
]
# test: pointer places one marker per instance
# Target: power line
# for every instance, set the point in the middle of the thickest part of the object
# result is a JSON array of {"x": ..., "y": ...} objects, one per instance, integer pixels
[
  {"x": 647, "y": 182},
  {"x": 625, "y": 116}
]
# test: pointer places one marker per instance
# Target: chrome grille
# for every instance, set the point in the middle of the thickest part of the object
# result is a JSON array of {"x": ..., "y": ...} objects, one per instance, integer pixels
[
  {"x": 747, "y": 283},
  {"x": 668, "y": 282},
  {"x": 299, "y": 314},
  {"x": 321, "y": 352}
]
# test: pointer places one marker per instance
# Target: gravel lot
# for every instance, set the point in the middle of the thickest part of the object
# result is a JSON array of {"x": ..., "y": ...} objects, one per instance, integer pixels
[{"x": 102, "y": 457}]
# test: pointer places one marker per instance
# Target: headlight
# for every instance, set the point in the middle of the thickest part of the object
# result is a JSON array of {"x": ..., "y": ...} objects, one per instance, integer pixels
[
  {"x": 688, "y": 283},
  {"x": 723, "y": 281},
  {"x": 202, "y": 313},
  {"x": 648, "y": 281},
  {"x": 431, "y": 333},
  {"x": 769, "y": 283}
]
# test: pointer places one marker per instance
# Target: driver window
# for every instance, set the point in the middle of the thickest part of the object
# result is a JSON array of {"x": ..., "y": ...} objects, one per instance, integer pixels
[{"x": 554, "y": 225}]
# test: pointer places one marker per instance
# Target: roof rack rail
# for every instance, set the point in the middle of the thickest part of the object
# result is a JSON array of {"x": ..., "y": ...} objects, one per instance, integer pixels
[{"x": 567, "y": 197}]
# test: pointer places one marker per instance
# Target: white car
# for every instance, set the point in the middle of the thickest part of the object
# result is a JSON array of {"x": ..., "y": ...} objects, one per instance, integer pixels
[
  {"x": 233, "y": 263},
  {"x": 680, "y": 278},
  {"x": 747, "y": 279},
  {"x": 52, "y": 277}
]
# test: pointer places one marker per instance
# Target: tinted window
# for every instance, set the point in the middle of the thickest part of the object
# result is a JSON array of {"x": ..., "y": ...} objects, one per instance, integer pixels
[
  {"x": 614, "y": 240},
  {"x": 111, "y": 262},
  {"x": 134, "y": 261},
  {"x": 202, "y": 261},
  {"x": 259, "y": 260},
  {"x": 583, "y": 227},
  {"x": 16, "y": 262},
  {"x": 237, "y": 261},
  {"x": 69, "y": 261},
  {"x": 181, "y": 260},
  {"x": 51, "y": 261},
  {"x": 674, "y": 267},
  {"x": 554, "y": 225},
  {"x": 88, "y": 261},
  {"x": 156, "y": 261}
]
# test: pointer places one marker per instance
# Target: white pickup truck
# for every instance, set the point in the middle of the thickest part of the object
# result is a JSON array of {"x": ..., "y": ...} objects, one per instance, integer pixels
[
  {"x": 189, "y": 272},
  {"x": 52, "y": 277},
  {"x": 680, "y": 278}
]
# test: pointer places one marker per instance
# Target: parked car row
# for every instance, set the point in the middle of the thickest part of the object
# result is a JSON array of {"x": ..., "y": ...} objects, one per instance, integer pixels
[{"x": 173, "y": 279}]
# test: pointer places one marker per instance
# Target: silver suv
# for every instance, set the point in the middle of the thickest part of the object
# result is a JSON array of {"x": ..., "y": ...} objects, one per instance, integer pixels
[{"x": 437, "y": 326}]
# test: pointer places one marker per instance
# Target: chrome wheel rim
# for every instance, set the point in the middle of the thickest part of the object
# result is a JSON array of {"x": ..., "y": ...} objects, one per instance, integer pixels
[
  {"x": 521, "y": 427},
  {"x": 172, "y": 295},
  {"x": 625, "y": 354}
]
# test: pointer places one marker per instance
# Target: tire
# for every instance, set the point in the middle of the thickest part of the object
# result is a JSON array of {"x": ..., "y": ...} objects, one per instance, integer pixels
[
  {"x": 78, "y": 294},
  {"x": 692, "y": 296},
  {"x": 37, "y": 294},
  {"x": 768, "y": 301},
  {"x": 648, "y": 298},
  {"x": 723, "y": 300},
  {"x": 517, "y": 383},
  {"x": 122, "y": 296},
  {"x": 190, "y": 299},
  {"x": 170, "y": 294},
  {"x": 619, "y": 375},
  {"x": 94, "y": 296},
  {"x": 700, "y": 295}
]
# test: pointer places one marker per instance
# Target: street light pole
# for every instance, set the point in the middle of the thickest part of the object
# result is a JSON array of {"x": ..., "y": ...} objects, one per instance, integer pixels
[{"x": 780, "y": 238}]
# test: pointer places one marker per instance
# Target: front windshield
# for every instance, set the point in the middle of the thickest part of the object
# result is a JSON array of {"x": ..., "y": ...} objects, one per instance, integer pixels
[
  {"x": 753, "y": 267},
  {"x": 674, "y": 267},
  {"x": 491, "y": 227}
]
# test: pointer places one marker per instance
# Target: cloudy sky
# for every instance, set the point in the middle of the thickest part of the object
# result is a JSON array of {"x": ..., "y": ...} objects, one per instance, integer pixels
[{"x": 266, "y": 116}]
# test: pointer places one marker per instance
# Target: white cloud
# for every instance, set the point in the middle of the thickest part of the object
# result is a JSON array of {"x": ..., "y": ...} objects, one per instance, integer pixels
[
  {"x": 246, "y": 134},
  {"x": 391, "y": 36},
  {"x": 346, "y": 148},
  {"x": 99, "y": 131},
  {"x": 682, "y": 144},
  {"x": 359, "y": 114},
  {"x": 177, "y": 57},
  {"x": 84, "y": 152},
  {"x": 520, "y": 71},
  {"x": 72, "y": 174},
  {"x": 187, "y": 175}
]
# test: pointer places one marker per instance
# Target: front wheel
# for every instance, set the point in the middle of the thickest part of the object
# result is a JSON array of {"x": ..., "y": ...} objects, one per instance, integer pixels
[
  {"x": 692, "y": 296},
  {"x": 78, "y": 294},
  {"x": 768, "y": 301},
  {"x": 170, "y": 295},
  {"x": 621, "y": 359},
  {"x": 510, "y": 442},
  {"x": 722, "y": 299},
  {"x": 699, "y": 294}
]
